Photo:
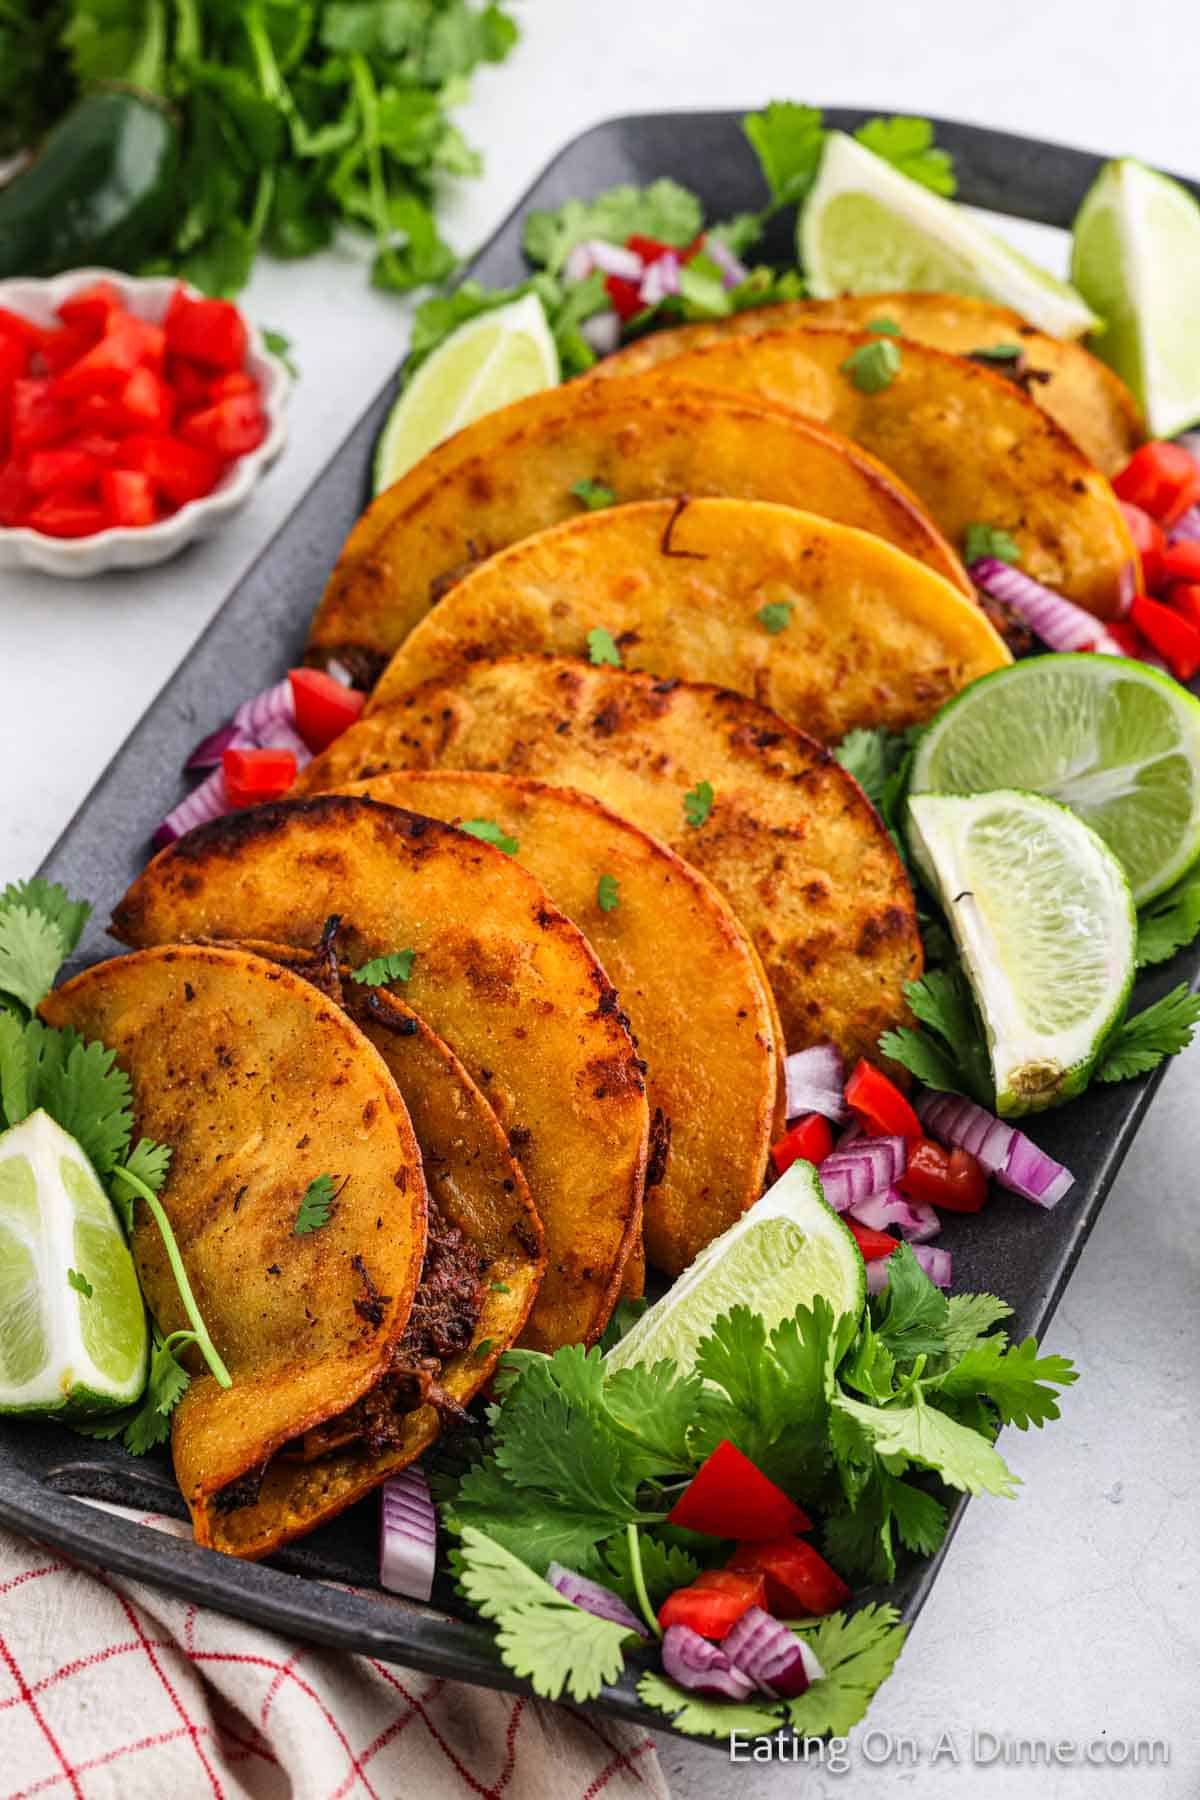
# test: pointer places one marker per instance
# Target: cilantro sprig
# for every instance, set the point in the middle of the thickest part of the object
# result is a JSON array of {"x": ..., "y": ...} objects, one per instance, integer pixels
[{"x": 396, "y": 966}]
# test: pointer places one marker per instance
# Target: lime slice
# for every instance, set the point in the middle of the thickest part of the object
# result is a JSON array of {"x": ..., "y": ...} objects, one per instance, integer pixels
[
  {"x": 788, "y": 1247},
  {"x": 867, "y": 229},
  {"x": 499, "y": 357},
  {"x": 1042, "y": 914},
  {"x": 1136, "y": 259},
  {"x": 1114, "y": 740},
  {"x": 61, "y": 1345}
]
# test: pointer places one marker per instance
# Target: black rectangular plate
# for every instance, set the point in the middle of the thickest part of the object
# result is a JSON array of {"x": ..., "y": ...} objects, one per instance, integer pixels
[{"x": 1014, "y": 1250}]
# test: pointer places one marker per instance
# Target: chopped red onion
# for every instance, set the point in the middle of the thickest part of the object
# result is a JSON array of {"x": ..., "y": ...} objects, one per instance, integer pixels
[
  {"x": 1033, "y": 1174},
  {"x": 610, "y": 259},
  {"x": 815, "y": 1079},
  {"x": 1059, "y": 623},
  {"x": 264, "y": 710},
  {"x": 1187, "y": 529},
  {"x": 915, "y": 1221},
  {"x": 339, "y": 672},
  {"x": 209, "y": 751},
  {"x": 661, "y": 279},
  {"x": 959, "y": 1123},
  {"x": 602, "y": 332},
  {"x": 733, "y": 272},
  {"x": 1127, "y": 587},
  {"x": 205, "y": 802},
  {"x": 869, "y": 1166},
  {"x": 935, "y": 1262},
  {"x": 702, "y": 1667},
  {"x": 777, "y": 1661},
  {"x": 283, "y": 736},
  {"x": 877, "y": 1274},
  {"x": 407, "y": 1536},
  {"x": 592, "y": 1598}
]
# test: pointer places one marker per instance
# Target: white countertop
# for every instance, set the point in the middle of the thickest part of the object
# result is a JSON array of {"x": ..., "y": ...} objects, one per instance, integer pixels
[{"x": 1071, "y": 1613}]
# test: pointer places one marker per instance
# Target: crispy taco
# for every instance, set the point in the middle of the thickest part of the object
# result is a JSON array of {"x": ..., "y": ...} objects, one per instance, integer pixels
[
  {"x": 759, "y": 808},
  {"x": 521, "y": 469},
  {"x": 497, "y": 970},
  {"x": 1093, "y": 406},
  {"x": 828, "y": 626},
  {"x": 697, "y": 1000},
  {"x": 974, "y": 447}
]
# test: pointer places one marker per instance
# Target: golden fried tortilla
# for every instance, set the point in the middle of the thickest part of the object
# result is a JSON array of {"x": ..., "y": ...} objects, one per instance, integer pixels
[
  {"x": 697, "y": 1002},
  {"x": 1082, "y": 394},
  {"x": 828, "y": 626},
  {"x": 790, "y": 839},
  {"x": 260, "y": 1085},
  {"x": 512, "y": 473},
  {"x": 970, "y": 444},
  {"x": 499, "y": 972}
]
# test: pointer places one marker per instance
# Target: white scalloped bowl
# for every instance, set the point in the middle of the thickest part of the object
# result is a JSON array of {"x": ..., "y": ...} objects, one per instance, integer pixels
[{"x": 124, "y": 546}]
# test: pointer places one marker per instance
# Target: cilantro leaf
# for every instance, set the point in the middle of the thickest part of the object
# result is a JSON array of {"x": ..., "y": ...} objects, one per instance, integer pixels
[
  {"x": 909, "y": 1316},
  {"x": 954, "y": 1057},
  {"x": 147, "y": 1163},
  {"x": 608, "y": 893},
  {"x": 857, "y": 1654},
  {"x": 888, "y": 327},
  {"x": 776, "y": 616},
  {"x": 908, "y": 145},
  {"x": 396, "y": 966},
  {"x": 997, "y": 353},
  {"x": 31, "y": 954},
  {"x": 80, "y": 1283},
  {"x": 14, "y": 1069},
  {"x": 1016, "y": 1380},
  {"x": 707, "y": 1718},
  {"x": 280, "y": 345},
  {"x": 875, "y": 758},
  {"x": 488, "y": 832},
  {"x": 923, "y": 1056},
  {"x": 316, "y": 1206},
  {"x": 989, "y": 540},
  {"x": 873, "y": 367},
  {"x": 601, "y": 648},
  {"x": 665, "y": 1567},
  {"x": 664, "y": 210},
  {"x": 788, "y": 139},
  {"x": 922, "y": 1434},
  {"x": 83, "y": 1091},
  {"x": 698, "y": 803},
  {"x": 777, "y": 1387},
  {"x": 1165, "y": 925},
  {"x": 1141, "y": 1042},
  {"x": 969, "y": 1317},
  {"x": 539, "y": 1528},
  {"x": 920, "y": 1517},
  {"x": 53, "y": 903},
  {"x": 595, "y": 495},
  {"x": 150, "y": 1423}
]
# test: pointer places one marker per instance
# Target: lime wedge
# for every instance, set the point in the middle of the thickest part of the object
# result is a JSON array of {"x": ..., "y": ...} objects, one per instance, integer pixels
[
  {"x": 867, "y": 229},
  {"x": 72, "y": 1323},
  {"x": 1115, "y": 741},
  {"x": 1136, "y": 259},
  {"x": 1043, "y": 917},
  {"x": 499, "y": 357},
  {"x": 788, "y": 1247}
]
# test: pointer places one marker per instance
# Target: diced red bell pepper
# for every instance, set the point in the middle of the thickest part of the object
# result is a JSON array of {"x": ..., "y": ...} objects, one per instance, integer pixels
[
  {"x": 1176, "y": 640},
  {"x": 230, "y": 428},
  {"x": 879, "y": 1104},
  {"x": 147, "y": 402},
  {"x": 650, "y": 249},
  {"x": 16, "y": 495},
  {"x": 181, "y": 471},
  {"x": 800, "y": 1582},
  {"x": 952, "y": 1180},
  {"x": 1183, "y": 597},
  {"x": 209, "y": 331},
  {"x": 67, "y": 515},
  {"x": 875, "y": 1245},
  {"x": 127, "y": 497},
  {"x": 38, "y": 414},
  {"x": 324, "y": 708},
  {"x": 110, "y": 362},
  {"x": 1181, "y": 562},
  {"x": 239, "y": 381},
  {"x": 1148, "y": 541},
  {"x": 1161, "y": 478},
  {"x": 625, "y": 296},
  {"x": 729, "y": 1497},
  {"x": 714, "y": 1602},
  {"x": 252, "y": 776},
  {"x": 810, "y": 1139},
  {"x": 64, "y": 467},
  {"x": 92, "y": 307}
]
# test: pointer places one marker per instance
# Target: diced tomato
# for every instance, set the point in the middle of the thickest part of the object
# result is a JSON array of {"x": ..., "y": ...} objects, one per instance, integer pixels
[
  {"x": 1149, "y": 543},
  {"x": 625, "y": 296},
  {"x": 953, "y": 1180},
  {"x": 127, "y": 497},
  {"x": 1181, "y": 562},
  {"x": 230, "y": 428},
  {"x": 100, "y": 444},
  {"x": 650, "y": 249},
  {"x": 64, "y": 467},
  {"x": 109, "y": 363},
  {"x": 729, "y": 1497},
  {"x": 714, "y": 1602},
  {"x": 1174, "y": 637},
  {"x": 193, "y": 386},
  {"x": 15, "y": 358},
  {"x": 67, "y": 515},
  {"x": 324, "y": 708},
  {"x": 91, "y": 307},
  {"x": 874, "y": 1244},
  {"x": 209, "y": 331},
  {"x": 38, "y": 414},
  {"x": 810, "y": 1139},
  {"x": 1163, "y": 479},
  {"x": 154, "y": 343},
  {"x": 879, "y": 1104},
  {"x": 16, "y": 495},
  {"x": 240, "y": 381},
  {"x": 1132, "y": 642},
  {"x": 147, "y": 402},
  {"x": 15, "y": 324},
  {"x": 1183, "y": 597},
  {"x": 252, "y": 776},
  {"x": 59, "y": 349},
  {"x": 799, "y": 1580},
  {"x": 181, "y": 471}
]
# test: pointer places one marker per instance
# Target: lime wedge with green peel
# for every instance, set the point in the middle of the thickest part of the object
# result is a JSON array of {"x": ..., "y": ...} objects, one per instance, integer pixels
[
  {"x": 786, "y": 1249},
  {"x": 1043, "y": 917},
  {"x": 72, "y": 1324},
  {"x": 867, "y": 229},
  {"x": 501, "y": 356},
  {"x": 1136, "y": 259},
  {"x": 1115, "y": 741}
]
